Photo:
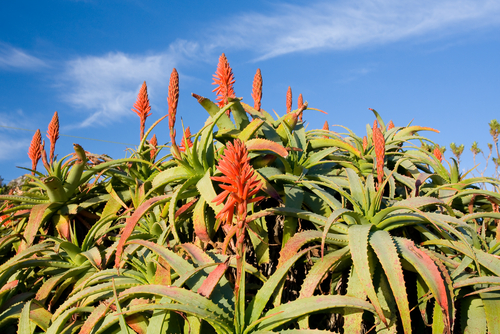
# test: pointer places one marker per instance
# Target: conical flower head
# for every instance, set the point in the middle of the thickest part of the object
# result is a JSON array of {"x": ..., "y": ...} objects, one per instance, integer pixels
[
  {"x": 53, "y": 134},
  {"x": 142, "y": 107},
  {"x": 239, "y": 182},
  {"x": 173, "y": 99},
  {"x": 326, "y": 127},
  {"x": 300, "y": 103},
  {"x": 379, "y": 143},
  {"x": 437, "y": 153},
  {"x": 289, "y": 100},
  {"x": 224, "y": 79},
  {"x": 35, "y": 151},
  {"x": 365, "y": 143},
  {"x": 257, "y": 90},
  {"x": 153, "y": 142},
  {"x": 186, "y": 140},
  {"x": 390, "y": 125}
]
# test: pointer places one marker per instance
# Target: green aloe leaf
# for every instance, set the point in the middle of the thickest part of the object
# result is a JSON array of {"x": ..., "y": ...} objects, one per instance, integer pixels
[
  {"x": 285, "y": 313},
  {"x": 358, "y": 244},
  {"x": 383, "y": 245}
]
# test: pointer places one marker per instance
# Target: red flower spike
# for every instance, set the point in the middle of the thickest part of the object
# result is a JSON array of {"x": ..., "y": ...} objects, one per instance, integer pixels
[
  {"x": 142, "y": 107},
  {"x": 300, "y": 103},
  {"x": 186, "y": 140},
  {"x": 326, "y": 127},
  {"x": 173, "y": 99},
  {"x": 239, "y": 183},
  {"x": 390, "y": 125},
  {"x": 53, "y": 134},
  {"x": 153, "y": 142},
  {"x": 437, "y": 153},
  {"x": 35, "y": 151},
  {"x": 289, "y": 100},
  {"x": 224, "y": 79},
  {"x": 257, "y": 90},
  {"x": 379, "y": 143}
]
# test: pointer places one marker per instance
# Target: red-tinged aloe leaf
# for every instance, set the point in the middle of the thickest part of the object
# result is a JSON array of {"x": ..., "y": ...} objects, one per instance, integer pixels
[
  {"x": 358, "y": 244},
  {"x": 353, "y": 319},
  {"x": 97, "y": 314},
  {"x": 9, "y": 286},
  {"x": 130, "y": 225},
  {"x": 491, "y": 302},
  {"x": 50, "y": 284},
  {"x": 57, "y": 325},
  {"x": 300, "y": 307},
  {"x": 197, "y": 254},
  {"x": 137, "y": 321},
  {"x": 383, "y": 245},
  {"x": 260, "y": 144},
  {"x": 295, "y": 244},
  {"x": 320, "y": 269},
  {"x": 259, "y": 302},
  {"x": 38, "y": 215},
  {"x": 200, "y": 221},
  {"x": 39, "y": 315},
  {"x": 208, "y": 285},
  {"x": 185, "y": 208},
  {"x": 295, "y": 331},
  {"x": 432, "y": 276},
  {"x": 162, "y": 275},
  {"x": 473, "y": 317}
]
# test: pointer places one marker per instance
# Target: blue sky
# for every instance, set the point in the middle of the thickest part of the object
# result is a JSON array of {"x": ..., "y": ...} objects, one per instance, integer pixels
[{"x": 433, "y": 62}]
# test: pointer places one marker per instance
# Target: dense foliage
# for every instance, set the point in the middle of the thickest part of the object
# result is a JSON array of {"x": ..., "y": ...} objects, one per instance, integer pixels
[{"x": 251, "y": 225}]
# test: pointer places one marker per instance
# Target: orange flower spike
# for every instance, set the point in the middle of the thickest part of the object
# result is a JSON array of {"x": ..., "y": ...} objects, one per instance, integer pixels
[
  {"x": 326, "y": 127},
  {"x": 365, "y": 143},
  {"x": 35, "y": 151},
  {"x": 437, "y": 153},
  {"x": 186, "y": 140},
  {"x": 257, "y": 90},
  {"x": 300, "y": 103},
  {"x": 173, "y": 99},
  {"x": 53, "y": 134},
  {"x": 153, "y": 142},
  {"x": 224, "y": 79},
  {"x": 379, "y": 143},
  {"x": 142, "y": 107},
  {"x": 289, "y": 100},
  {"x": 239, "y": 182},
  {"x": 390, "y": 125}
]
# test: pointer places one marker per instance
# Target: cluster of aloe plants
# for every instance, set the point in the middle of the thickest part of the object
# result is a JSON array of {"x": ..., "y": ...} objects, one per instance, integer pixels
[{"x": 252, "y": 224}]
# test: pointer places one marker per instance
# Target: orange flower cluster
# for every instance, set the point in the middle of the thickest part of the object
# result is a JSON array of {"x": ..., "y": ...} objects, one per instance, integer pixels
[
  {"x": 186, "y": 140},
  {"x": 390, "y": 125},
  {"x": 289, "y": 100},
  {"x": 224, "y": 79},
  {"x": 257, "y": 90},
  {"x": 142, "y": 107},
  {"x": 379, "y": 143},
  {"x": 437, "y": 153},
  {"x": 153, "y": 142},
  {"x": 35, "y": 151},
  {"x": 239, "y": 182},
  {"x": 53, "y": 134},
  {"x": 173, "y": 99},
  {"x": 300, "y": 103}
]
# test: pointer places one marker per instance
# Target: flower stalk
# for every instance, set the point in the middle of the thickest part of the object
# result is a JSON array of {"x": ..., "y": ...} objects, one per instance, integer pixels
[
  {"x": 35, "y": 150},
  {"x": 53, "y": 135}
]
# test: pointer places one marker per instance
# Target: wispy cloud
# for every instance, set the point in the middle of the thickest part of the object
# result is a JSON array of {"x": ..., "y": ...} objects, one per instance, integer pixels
[
  {"x": 326, "y": 25},
  {"x": 13, "y": 58},
  {"x": 106, "y": 86}
]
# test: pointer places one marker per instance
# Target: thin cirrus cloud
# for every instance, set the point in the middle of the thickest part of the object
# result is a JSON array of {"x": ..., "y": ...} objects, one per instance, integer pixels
[
  {"x": 12, "y": 58},
  {"x": 105, "y": 87},
  {"x": 341, "y": 25}
]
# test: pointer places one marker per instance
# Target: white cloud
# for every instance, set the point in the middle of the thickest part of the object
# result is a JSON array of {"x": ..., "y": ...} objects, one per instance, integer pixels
[
  {"x": 106, "y": 86},
  {"x": 347, "y": 24},
  {"x": 12, "y": 58}
]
